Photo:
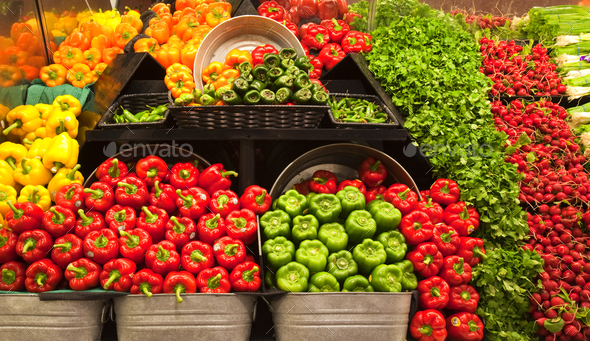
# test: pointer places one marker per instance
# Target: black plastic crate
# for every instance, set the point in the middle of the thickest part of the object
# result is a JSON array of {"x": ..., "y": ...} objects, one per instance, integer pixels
[
  {"x": 135, "y": 103},
  {"x": 391, "y": 122}
]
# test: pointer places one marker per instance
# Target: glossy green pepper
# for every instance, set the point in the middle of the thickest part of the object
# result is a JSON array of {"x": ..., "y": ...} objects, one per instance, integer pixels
[
  {"x": 395, "y": 245},
  {"x": 276, "y": 223},
  {"x": 207, "y": 100},
  {"x": 260, "y": 73},
  {"x": 240, "y": 86},
  {"x": 288, "y": 53},
  {"x": 368, "y": 255},
  {"x": 319, "y": 98},
  {"x": 303, "y": 63},
  {"x": 313, "y": 254},
  {"x": 267, "y": 97},
  {"x": 275, "y": 73},
  {"x": 302, "y": 96},
  {"x": 245, "y": 68},
  {"x": 386, "y": 278},
  {"x": 293, "y": 277},
  {"x": 283, "y": 95},
  {"x": 231, "y": 97},
  {"x": 310, "y": 195},
  {"x": 278, "y": 251},
  {"x": 386, "y": 215},
  {"x": 342, "y": 265},
  {"x": 271, "y": 60},
  {"x": 293, "y": 71},
  {"x": 293, "y": 203},
  {"x": 302, "y": 81},
  {"x": 326, "y": 207},
  {"x": 270, "y": 279},
  {"x": 252, "y": 97},
  {"x": 257, "y": 85},
  {"x": 360, "y": 225},
  {"x": 305, "y": 227},
  {"x": 357, "y": 283},
  {"x": 287, "y": 63},
  {"x": 409, "y": 280},
  {"x": 351, "y": 199},
  {"x": 209, "y": 89},
  {"x": 285, "y": 81},
  {"x": 323, "y": 282},
  {"x": 333, "y": 236},
  {"x": 248, "y": 78}
]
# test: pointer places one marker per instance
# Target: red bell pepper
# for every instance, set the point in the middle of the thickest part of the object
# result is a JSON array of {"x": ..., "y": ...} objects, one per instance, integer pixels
[
  {"x": 338, "y": 29},
  {"x": 214, "y": 177},
  {"x": 402, "y": 197},
  {"x": 132, "y": 192},
  {"x": 12, "y": 276},
  {"x": 428, "y": 325},
  {"x": 250, "y": 258},
  {"x": 434, "y": 293},
  {"x": 425, "y": 195},
  {"x": 292, "y": 27},
  {"x": 23, "y": 216},
  {"x": 323, "y": 181},
  {"x": 307, "y": 9},
  {"x": 434, "y": 210},
  {"x": 472, "y": 250},
  {"x": 464, "y": 219},
  {"x": 59, "y": 221},
  {"x": 445, "y": 192},
  {"x": 180, "y": 231},
  {"x": 184, "y": 175},
  {"x": 245, "y": 277},
  {"x": 372, "y": 172},
  {"x": 229, "y": 252},
  {"x": 316, "y": 37},
  {"x": 83, "y": 274},
  {"x": 67, "y": 249},
  {"x": 242, "y": 225},
  {"x": 455, "y": 271},
  {"x": 349, "y": 17},
  {"x": 272, "y": 10},
  {"x": 99, "y": 197},
  {"x": 257, "y": 59},
  {"x": 151, "y": 169},
  {"x": 293, "y": 15},
  {"x": 416, "y": 227},
  {"x": 353, "y": 42},
  {"x": 34, "y": 245},
  {"x": 71, "y": 197},
  {"x": 162, "y": 258},
  {"x": 368, "y": 42},
  {"x": 303, "y": 29},
  {"x": 223, "y": 202},
  {"x": 463, "y": 298},
  {"x": 214, "y": 281},
  {"x": 164, "y": 196},
  {"x": 178, "y": 282},
  {"x": 375, "y": 193},
  {"x": 302, "y": 187},
  {"x": 330, "y": 55},
  {"x": 256, "y": 199},
  {"x": 101, "y": 246},
  {"x": 192, "y": 203},
  {"x": 354, "y": 183},
  {"x": 120, "y": 218},
  {"x": 153, "y": 220},
  {"x": 42, "y": 276},
  {"x": 327, "y": 9},
  {"x": 196, "y": 256},
  {"x": 318, "y": 67},
  {"x": 464, "y": 327},
  {"x": 210, "y": 228},
  {"x": 91, "y": 221},
  {"x": 305, "y": 49},
  {"x": 111, "y": 171},
  {"x": 117, "y": 275},
  {"x": 8, "y": 241},
  {"x": 146, "y": 282},
  {"x": 342, "y": 7},
  {"x": 134, "y": 244},
  {"x": 446, "y": 239},
  {"x": 426, "y": 259}
]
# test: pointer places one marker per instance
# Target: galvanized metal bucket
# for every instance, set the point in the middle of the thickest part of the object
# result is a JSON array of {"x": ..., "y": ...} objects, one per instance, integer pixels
[
  {"x": 341, "y": 316},
  {"x": 25, "y": 317},
  {"x": 208, "y": 317}
]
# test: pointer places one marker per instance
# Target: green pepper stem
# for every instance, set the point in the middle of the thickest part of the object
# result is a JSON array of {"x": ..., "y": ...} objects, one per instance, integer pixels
[
  {"x": 212, "y": 223},
  {"x": 96, "y": 193},
  {"x": 231, "y": 249},
  {"x": 157, "y": 189},
  {"x": 16, "y": 213},
  {"x": 426, "y": 330},
  {"x": 213, "y": 282},
  {"x": 29, "y": 244},
  {"x": 465, "y": 295},
  {"x": 132, "y": 241},
  {"x": 162, "y": 254},
  {"x": 445, "y": 189},
  {"x": 321, "y": 181},
  {"x": 60, "y": 217},
  {"x": 35, "y": 198},
  {"x": 477, "y": 252},
  {"x": 129, "y": 188},
  {"x": 114, "y": 170},
  {"x": 197, "y": 256},
  {"x": 248, "y": 275},
  {"x": 261, "y": 197},
  {"x": 85, "y": 219},
  {"x": 8, "y": 276},
  {"x": 11, "y": 162},
  {"x": 146, "y": 291},
  {"x": 184, "y": 174},
  {"x": 74, "y": 269},
  {"x": 222, "y": 200},
  {"x": 151, "y": 173},
  {"x": 69, "y": 193},
  {"x": 458, "y": 267},
  {"x": 72, "y": 175},
  {"x": 41, "y": 280},
  {"x": 179, "y": 193},
  {"x": 472, "y": 326},
  {"x": 149, "y": 216},
  {"x": 228, "y": 173},
  {"x": 65, "y": 247},
  {"x": 178, "y": 290},
  {"x": 26, "y": 169},
  {"x": 178, "y": 226},
  {"x": 114, "y": 275},
  {"x": 375, "y": 166},
  {"x": 403, "y": 195},
  {"x": 16, "y": 124},
  {"x": 101, "y": 241}
]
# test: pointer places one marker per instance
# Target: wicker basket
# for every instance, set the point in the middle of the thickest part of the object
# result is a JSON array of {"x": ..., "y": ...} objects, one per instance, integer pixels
[{"x": 135, "y": 103}]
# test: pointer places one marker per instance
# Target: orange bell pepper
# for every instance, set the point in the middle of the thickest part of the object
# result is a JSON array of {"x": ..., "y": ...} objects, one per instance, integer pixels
[
  {"x": 186, "y": 27},
  {"x": 53, "y": 74},
  {"x": 78, "y": 39},
  {"x": 70, "y": 56},
  {"x": 5, "y": 42},
  {"x": 175, "y": 41},
  {"x": 29, "y": 72},
  {"x": 110, "y": 53},
  {"x": 90, "y": 29},
  {"x": 15, "y": 56},
  {"x": 100, "y": 42},
  {"x": 18, "y": 28},
  {"x": 149, "y": 45},
  {"x": 99, "y": 69},
  {"x": 216, "y": 16},
  {"x": 133, "y": 21},
  {"x": 220, "y": 102},
  {"x": 177, "y": 67},
  {"x": 226, "y": 77},
  {"x": 28, "y": 42},
  {"x": 36, "y": 61},
  {"x": 168, "y": 55},
  {"x": 179, "y": 83},
  {"x": 187, "y": 12},
  {"x": 202, "y": 31},
  {"x": 159, "y": 31},
  {"x": 182, "y": 4},
  {"x": 188, "y": 54},
  {"x": 224, "y": 6},
  {"x": 161, "y": 8},
  {"x": 80, "y": 75},
  {"x": 212, "y": 72},
  {"x": 9, "y": 75},
  {"x": 93, "y": 57},
  {"x": 163, "y": 17},
  {"x": 235, "y": 57},
  {"x": 123, "y": 34}
]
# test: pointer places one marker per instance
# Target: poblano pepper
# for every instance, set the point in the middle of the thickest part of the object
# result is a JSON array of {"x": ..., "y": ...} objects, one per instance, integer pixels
[
  {"x": 276, "y": 223},
  {"x": 323, "y": 282},
  {"x": 342, "y": 265},
  {"x": 333, "y": 236},
  {"x": 313, "y": 254}
]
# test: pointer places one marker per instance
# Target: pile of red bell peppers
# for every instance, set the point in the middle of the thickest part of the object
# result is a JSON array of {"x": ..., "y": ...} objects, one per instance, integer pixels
[{"x": 155, "y": 230}]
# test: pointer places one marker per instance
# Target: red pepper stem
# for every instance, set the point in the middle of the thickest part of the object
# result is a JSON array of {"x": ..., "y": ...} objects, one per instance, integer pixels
[
  {"x": 472, "y": 326},
  {"x": 179, "y": 193},
  {"x": 69, "y": 193},
  {"x": 417, "y": 226},
  {"x": 248, "y": 275},
  {"x": 26, "y": 169},
  {"x": 16, "y": 124},
  {"x": 228, "y": 173},
  {"x": 72, "y": 175},
  {"x": 260, "y": 198},
  {"x": 85, "y": 219},
  {"x": 149, "y": 216},
  {"x": 151, "y": 173},
  {"x": 146, "y": 291},
  {"x": 179, "y": 288},
  {"x": 129, "y": 188},
  {"x": 132, "y": 241},
  {"x": 29, "y": 245},
  {"x": 375, "y": 165},
  {"x": 101, "y": 242},
  {"x": 426, "y": 330},
  {"x": 477, "y": 252},
  {"x": 465, "y": 214},
  {"x": 321, "y": 181},
  {"x": 65, "y": 247},
  {"x": 213, "y": 282},
  {"x": 434, "y": 292},
  {"x": 222, "y": 200},
  {"x": 429, "y": 203},
  {"x": 41, "y": 279},
  {"x": 184, "y": 174},
  {"x": 231, "y": 249},
  {"x": 445, "y": 189},
  {"x": 178, "y": 226},
  {"x": 34, "y": 197},
  {"x": 162, "y": 254},
  {"x": 114, "y": 170},
  {"x": 403, "y": 195},
  {"x": 11, "y": 162},
  {"x": 197, "y": 256},
  {"x": 446, "y": 237},
  {"x": 458, "y": 267},
  {"x": 96, "y": 193},
  {"x": 465, "y": 295},
  {"x": 157, "y": 189},
  {"x": 212, "y": 223},
  {"x": 74, "y": 269},
  {"x": 58, "y": 218},
  {"x": 337, "y": 26},
  {"x": 427, "y": 259},
  {"x": 16, "y": 213},
  {"x": 114, "y": 275},
  {"x": 8, "y": 276}
]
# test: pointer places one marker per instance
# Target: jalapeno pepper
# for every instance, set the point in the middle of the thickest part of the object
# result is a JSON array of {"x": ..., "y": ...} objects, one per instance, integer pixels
[
  {"x": 271, "y": 60},
  {"x": 285, "y": 81},
  {"x": 230, "y": 97},
  {"x": 267, "y": 97},
  {"x": 302, "y": 96},
  {"x": 275, "y": 73},
  {"x": 257, "y": 85},
  {"x": 252, "y": 97},
  {"x": 283, "y": 95},
  {"x": 260, "y": 73}
]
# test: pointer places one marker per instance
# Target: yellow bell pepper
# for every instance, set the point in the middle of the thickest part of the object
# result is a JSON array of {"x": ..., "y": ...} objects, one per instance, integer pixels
[
  {"x": 38, "y": 148},
  {"x": 37, "y": 195},
  {"x": 6, "y": 193},
  {"x": 45, "y": 110},
  {"x": 62, "y": 122},
  {"x": 28, "y": 139},
  {"x": 6, "y": 172},
  {"x": 12, "y": 153},
  {"x": 31, "y": 172},
  {"x": 2, "y": 222},
  {"x": 64, "y": 177},
  {"x": 4, "y": 110},
  {"x": 67, "y": 103},
  {"x": 23, "y": 119},
  {"x": 61, "y": 152}
]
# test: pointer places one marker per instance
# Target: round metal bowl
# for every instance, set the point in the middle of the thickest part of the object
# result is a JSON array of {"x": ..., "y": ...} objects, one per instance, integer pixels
[
  {"x": 342, "y": 159},
  {"x": 245, "y": 32}
]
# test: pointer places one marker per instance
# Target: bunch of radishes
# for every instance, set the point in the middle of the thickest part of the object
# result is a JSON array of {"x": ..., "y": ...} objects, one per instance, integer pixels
[
  {"x": 489, "y": 21},
  {"x": 516, "y": 74}
]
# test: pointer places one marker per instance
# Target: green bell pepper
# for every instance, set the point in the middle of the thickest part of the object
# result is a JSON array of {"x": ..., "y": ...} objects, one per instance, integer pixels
[
  {"x": 313, "y": 254},
  {"x": 267, "y": 97},
  {"x": 271, "y": 60},
  {"x": 278, "y": 251},
  {"x": 303, "y": 63},
  {"x": 302, "y": 81},
  {"x": 409, "y": 279},
  {"x": 275, "y": 73},
  {"x": 245, "y": 68},
  {"x": 302, "y": 96},
  {"x": 285, "y": 81},
  {"x": 270, "y": 279},
  {"x": 310, "y": 195},
  {"x": 231, "y": 97},
  {"x": 276, "y": 223},
  {"x": 207, "y": 100},
  {"x": 293, "y": 277},
  {"x": 305, "y": 227},
  {"x": 342, "y": 265},
  {"x": 209, "y": 89},
  {"x": 240, "y": 86},
  {"x": 287, "y": 63},
  {"x": 351, "y": 199},
  {"x": 386, "y": 278},
  {"x": 293, "y": 203},
  {"x": 386, "y": 216},
  {"x": 323, "y": 282},
  {"x": 333, "y": 236},
  {"x": 260, "y": 72},
  {"x": 372, "y": 203},
  {"x": 368, "y": 255},
  {"x": 326, "y": 207},
  {"x": 274, "y": 205},
  {"x": 257, "y": 85},
  {"x": 357, "y": 283},
  {"x": 288, "y": 53},
  {"x": 252, "y": 97},
  {"x": 395, "y": 245},
  {"x": 283, "y": 95},
  {"x": 360, "y": 225},
  {"x": 319, "y": 98}
]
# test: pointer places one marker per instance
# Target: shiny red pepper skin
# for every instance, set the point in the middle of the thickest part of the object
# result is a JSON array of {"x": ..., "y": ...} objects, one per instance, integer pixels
[
  {"x": 147, "y": 282},
  {"x": 323, "y": 182},
  {"x": 245, "y": 277},
  {"x": 184, "y": 175},
  {"x": 302, "y": 187},
  {"x": 327, "y": 9},
  {"x": 111, "y": 171},
  {"x": 192, "y": 202},
  {"x": 162, "y": 258},
  {"x": 338, "y": 29},
  {"x": 24, "y": 216},
  {"x": 463, "y": 298},
  {"x": 223, "y": 202},
  {"x": 34, "y": 245},
  {"x": 229, "y": 252},
  {"x": 257, "y": 59},
  {"x": 464, "y": 219},
  {"x": 303, "y": 29},
  {"x": 71, "y": 197},
  {"x": 134, "y": 244},
  {"x": 446, "y": 239},
  {"x": 151, "y": 169},
  {"x": 256, "y": 199},
  {"x": 67, "y": 249},
  {"x": 153, "y": 220},
  {"x": 83, "y": 274},
  {"x": 305, "y": 49},
  {"x": 272, "y": 10},
  {"x": 132, "y": 192},
  {"x": 402, "y": 197},
  {"x": 353, "y": 42},
  {"x": 465, "y": 327},
  {"x": 434, "y": 293},
  {"x": 86, "y": 223},
  {"x": 117, "y": 275},
  {"x": 316, "y": 37},
  {"x": 8, "y": 241},
  {"x": 425, "y": 195},
  {"x": 472, "y": 250},
  {"x": 318, "y": 67},
  {"x": 445, "y": 192},
  {"x": 180, "y": 231},
  {"x": 416, "y": 227},
  {"x": 163, "y": 196},
  {"x": 354, "y": 183},
  {"x": 291, "y": 26},
  {"x": 42, "y": 276},
  {"x": 196, "y": 256},
  {"x": 214, "y": 280},
  {"x": 455, "y": 271},
  {"x": 349, "y": 17},
  {"x": 372, "y": 172},
  {"x": 12, "y": 276},
  {"x": 120, "y": 218},
  {"x": 178, "y": 282},
  {"x": 331, "y": 54},
  {"x": 210, "y": 228},
  {"x": 426, "y": 259},
  {"x": 214, "y": 178},
  {"x": 433, "y": 209},
  {"x": 428, "y": 325},
  {"x": 99, "y": 197},
  {"x": 242, "y": 225},
  {"x": 375, "y": 193},
  {"x": 307, "y": 9},
  {"x": 101, "y": 246},
  {"x": 58, "y": 221}
]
